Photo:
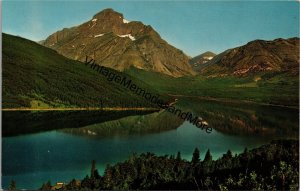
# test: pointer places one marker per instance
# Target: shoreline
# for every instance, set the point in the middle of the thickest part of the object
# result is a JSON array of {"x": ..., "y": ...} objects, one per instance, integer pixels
[
  {"x": 230, "y": 100},
  {"x": 83, "y": 109}
]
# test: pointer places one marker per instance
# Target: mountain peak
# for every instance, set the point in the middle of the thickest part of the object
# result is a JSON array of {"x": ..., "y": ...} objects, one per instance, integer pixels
[
  {"x": 117, "y": 43},
  {"x": 209, "y": 53},
  {"x": 201, "y": 59},
  {"x": 108, "y": 14},
  {"x": 112, "y": 20}
]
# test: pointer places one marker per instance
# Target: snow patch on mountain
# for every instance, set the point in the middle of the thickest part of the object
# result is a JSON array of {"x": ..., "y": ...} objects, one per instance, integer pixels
[
  {"x": 208, "y": 57},
  {"x": 127, "y": 35},
  {"x": 98, "y": 35},
  {"x": 125, "y": 21}
]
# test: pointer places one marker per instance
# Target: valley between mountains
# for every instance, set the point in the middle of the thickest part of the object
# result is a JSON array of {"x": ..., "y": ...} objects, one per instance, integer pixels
[
  {"x": 36, "y": 76},
  {"x": 52, "y": 76}
]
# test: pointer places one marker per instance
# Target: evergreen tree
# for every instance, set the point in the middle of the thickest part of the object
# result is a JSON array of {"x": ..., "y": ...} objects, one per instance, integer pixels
[
  {"x": 178, "y": 157},
  {"x": 229, "y": 154},
  {"x": 93, "y": 169},
  {"x": 46, "y": 186},
  {"x": 208, "y": 157},
  {"x": 12, "y": 185},
  {"x": 72, "y": 185},
  {"x": 171, "y": 157},
  {"x": 196, "y": 156},
  {"x": 108, "y": 177},
  {"x": 96, "y": 174},
  {"x": 85, "y": 183}
]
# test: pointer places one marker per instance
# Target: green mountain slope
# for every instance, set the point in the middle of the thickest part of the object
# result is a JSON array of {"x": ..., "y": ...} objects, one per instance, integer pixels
[
  {"x": 259, "y": 87},
  {"x": 38, "y": 77}
]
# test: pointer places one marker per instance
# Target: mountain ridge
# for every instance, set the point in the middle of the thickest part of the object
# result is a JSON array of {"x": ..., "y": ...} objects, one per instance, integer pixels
[{"x": 278, "y": 55}]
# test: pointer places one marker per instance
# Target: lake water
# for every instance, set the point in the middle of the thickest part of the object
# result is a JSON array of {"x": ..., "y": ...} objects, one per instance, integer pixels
[{"x": 60, "y": 156}]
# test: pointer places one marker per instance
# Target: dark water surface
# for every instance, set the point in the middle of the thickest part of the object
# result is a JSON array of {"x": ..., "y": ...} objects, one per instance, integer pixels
[{"x": 60, "y": 156}]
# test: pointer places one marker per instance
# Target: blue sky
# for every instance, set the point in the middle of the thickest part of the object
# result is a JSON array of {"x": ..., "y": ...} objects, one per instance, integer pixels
[{"x": 192, "y": 26}]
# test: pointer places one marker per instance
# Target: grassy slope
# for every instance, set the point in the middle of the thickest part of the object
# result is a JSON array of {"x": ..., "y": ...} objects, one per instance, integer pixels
[
  {"x": 269, "y": 88},
  {"x": 36, "y": 76}
]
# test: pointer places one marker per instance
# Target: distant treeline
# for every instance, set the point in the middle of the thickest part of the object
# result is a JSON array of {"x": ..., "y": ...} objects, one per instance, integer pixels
[{"x": 271, "y": 167}]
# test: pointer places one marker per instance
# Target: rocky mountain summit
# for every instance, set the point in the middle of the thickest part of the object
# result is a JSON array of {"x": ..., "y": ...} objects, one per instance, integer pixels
[{"x": 117, "y": 43}]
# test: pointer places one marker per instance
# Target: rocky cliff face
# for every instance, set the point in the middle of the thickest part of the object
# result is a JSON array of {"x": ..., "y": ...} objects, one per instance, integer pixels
[
  {"x": 117, "y": 43},
  {"x": 257, "y": 56}
]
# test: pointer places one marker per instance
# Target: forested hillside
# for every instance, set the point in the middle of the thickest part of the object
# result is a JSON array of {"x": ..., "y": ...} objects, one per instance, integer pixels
[{"x": 38, "y": 77}]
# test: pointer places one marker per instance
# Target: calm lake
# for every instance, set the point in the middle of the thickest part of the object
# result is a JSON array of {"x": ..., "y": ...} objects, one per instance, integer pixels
[{"x": 61, "y": 155}]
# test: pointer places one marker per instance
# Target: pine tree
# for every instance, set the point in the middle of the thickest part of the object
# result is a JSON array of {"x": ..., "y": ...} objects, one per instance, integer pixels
[
  {"x": 93, "y": 169},
  {"x": 178, "y": 157},
  {"x": 196, "y": 156},
  {"x": 108, "y": 177},
  {"x": 229, "y": 154},
  {"x": 208, "y": 157},
  {"x": 96, "y": 174},
  {"x": 12, "y": 185},
  {"x": 72, "y": 185},
  {"x": 46, "y": 186}
]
